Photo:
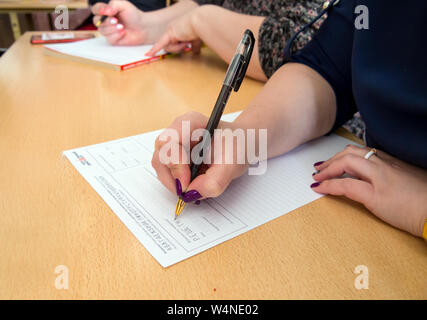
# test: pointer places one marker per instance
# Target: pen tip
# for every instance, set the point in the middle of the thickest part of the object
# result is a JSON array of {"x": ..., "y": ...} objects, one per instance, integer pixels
[{"x": 179, "y": 207}]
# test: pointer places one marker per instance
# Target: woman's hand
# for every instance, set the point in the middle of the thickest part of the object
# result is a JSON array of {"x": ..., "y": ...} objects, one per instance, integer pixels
[
  {"x": 213, "y": 181},
  {"x": 393, "y": 190},
  {"x": 127, "y": 25},
  {"x": 179, "y": 34}
]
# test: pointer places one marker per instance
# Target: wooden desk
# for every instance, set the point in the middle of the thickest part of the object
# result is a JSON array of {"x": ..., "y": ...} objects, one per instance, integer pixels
[
  {"x": 50, "y": 216},
  {"x": 13, "y": 7}
]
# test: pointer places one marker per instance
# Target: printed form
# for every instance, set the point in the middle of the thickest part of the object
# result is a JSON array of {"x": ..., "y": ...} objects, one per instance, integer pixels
[{"x": 121, "y": 172}]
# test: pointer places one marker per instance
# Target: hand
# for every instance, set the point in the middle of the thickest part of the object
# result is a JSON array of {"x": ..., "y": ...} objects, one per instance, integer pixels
[
  {"x": 179, "y": 34},
  {"x": 391, "y": 189},
  {"x": 215, "y": 178},
  {"x": 127, "y": 25}
]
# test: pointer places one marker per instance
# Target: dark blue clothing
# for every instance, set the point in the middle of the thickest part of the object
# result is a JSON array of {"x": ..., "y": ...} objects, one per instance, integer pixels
[
  {"x": 381, "y": 72},
  {"x": 144, "y": 5}
]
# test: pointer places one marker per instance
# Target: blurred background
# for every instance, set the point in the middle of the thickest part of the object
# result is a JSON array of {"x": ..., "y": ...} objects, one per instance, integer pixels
[{"x": 19, "y": 16}]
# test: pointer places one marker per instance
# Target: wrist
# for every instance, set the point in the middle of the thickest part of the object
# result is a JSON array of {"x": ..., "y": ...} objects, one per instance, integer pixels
[{"x": 196, "y": 18}]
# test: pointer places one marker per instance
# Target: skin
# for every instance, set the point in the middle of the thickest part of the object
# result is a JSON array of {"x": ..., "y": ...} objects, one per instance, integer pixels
[
  {"x": 174, "y": 27},
  {"x": 297, "y": 105}
]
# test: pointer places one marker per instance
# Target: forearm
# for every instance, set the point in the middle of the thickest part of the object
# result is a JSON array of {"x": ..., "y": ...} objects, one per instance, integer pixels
[
  {"x": 222, "y": 29},
  {"x": 296, "y": 105}
]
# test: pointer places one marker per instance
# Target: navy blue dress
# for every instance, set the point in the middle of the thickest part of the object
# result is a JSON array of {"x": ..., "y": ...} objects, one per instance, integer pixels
[
  {"x": 380, "y": 71},
  {"x": 144, "y": 5}
]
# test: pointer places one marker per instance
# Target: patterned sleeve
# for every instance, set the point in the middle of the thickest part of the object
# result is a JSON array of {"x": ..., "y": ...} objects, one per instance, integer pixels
[
  {"x": 217, "y": 2},
  {"x": 276, "y": 29}
]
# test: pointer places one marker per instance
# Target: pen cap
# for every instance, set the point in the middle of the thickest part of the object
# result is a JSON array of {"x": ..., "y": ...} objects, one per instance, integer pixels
[
  {"x": 244, "y": 49},
  {"x": 238, "y": 66}
]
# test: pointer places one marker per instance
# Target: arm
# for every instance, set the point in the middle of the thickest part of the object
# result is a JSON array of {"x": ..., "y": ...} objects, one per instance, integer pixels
[
  {"x": 130, "y": 26},
  {"x": 295, "y": 105},
  {"x": 222, "y": 29},
  {"x": 219, "y": 28}
]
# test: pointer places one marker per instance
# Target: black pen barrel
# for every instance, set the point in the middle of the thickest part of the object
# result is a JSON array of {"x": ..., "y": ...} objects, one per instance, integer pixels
[{"x": 213, "y": 122}]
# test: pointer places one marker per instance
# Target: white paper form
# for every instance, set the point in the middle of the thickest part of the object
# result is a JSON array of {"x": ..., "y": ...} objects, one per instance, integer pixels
[
  {"x": 99, "y": 49},
  {"x": 121, "y": 172}
]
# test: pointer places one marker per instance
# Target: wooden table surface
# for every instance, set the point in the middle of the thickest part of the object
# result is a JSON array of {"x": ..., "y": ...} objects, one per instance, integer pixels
[{"x": 50, "y": 216}]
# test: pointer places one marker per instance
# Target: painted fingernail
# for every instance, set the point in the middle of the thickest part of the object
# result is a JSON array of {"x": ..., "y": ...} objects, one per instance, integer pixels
[
  {"x": 178, "y": 187},
  {"x": 197, "y": 202},
  {"x": 315, "y": 185},
  {"x": 313, "y": 173},
  {"x": 119, "y": 26},
  {"x": 318, "y": 163},
  {"x": 113, "y": 20},
  {"x": 191, "y": 196}
]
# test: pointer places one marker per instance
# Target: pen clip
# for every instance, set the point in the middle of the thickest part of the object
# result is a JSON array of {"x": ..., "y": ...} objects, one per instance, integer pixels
[{"x": 248, "y": 43}]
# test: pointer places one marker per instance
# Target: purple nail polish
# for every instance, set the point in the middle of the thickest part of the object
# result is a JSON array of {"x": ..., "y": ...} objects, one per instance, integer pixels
[
  {"x": 197, "y": 202},
  {"x": 315, "y": 185},
  {"x": 318, "y": 163},
  {"x": 313, "y": 173},
  {"x": 191, "y": 196},
  {"x": 178, "y": 187}
]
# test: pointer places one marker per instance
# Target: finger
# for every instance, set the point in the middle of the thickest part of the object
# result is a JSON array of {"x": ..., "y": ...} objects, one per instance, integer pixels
[
  {"x": 159, "y": 45},
  {"x": 193, "y": 120},
  {"x": 196, "y": 46},
  {"x": 108, "y": 29},
  {"x": 214, "y": 181},
  {"x": 108, "y": 22},
  {"x": 175, "y": 158},
  {"x": 99, "y": 8},
  {"x": 349, "y": 149},
  {"x": 176, "y": 47},
  {"x": 181, "y": 170},
  {"x": 351, "y": 164},
  {"x": 115, "y": 37},
  {"x": 163, "y": 173},
  {"x": 357, "y": 190},
  {"x": 115, "y": 7}
]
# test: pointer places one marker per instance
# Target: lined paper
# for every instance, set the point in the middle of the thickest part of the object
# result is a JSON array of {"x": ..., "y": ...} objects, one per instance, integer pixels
[{"x": 120, "y": 171}]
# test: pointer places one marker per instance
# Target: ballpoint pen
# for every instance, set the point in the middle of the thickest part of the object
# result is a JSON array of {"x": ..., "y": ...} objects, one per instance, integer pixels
[
  {"x": 98, "y": 23},
  {"x": 233, "y": 79}
]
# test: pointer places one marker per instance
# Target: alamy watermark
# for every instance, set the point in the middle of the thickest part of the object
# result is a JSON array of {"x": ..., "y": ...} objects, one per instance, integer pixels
[
  {"x": 61, "y": 280},
  {"x": 62, "y": 20},
  {"x": 236, "y": 146},
  {"x": 362, "y": 280},
  {"x": 362, "y": 20}
]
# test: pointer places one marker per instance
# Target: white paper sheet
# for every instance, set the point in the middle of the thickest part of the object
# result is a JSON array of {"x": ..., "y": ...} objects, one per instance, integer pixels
[
  {"x": 120, "y": 171},
  {"x": 99, "y": 49}
]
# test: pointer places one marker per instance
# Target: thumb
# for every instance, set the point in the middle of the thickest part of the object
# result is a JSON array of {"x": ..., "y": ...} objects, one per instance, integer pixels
[
  {"x": 115, "y": 7},
  {"x": 100, "y": 8}
]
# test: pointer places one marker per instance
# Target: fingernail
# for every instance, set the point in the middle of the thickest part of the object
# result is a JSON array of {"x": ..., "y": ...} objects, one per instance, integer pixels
[
  {"x": 191, "y": 196},
  {"x": 313, "y": 173},
  {"x": 113, "y": 20},
  {"x": 119, "y": 26},
  {"x": 318, "y": 163},
  {"x": 197, "y": 202},
  {"x": 178, "y": 187},
  {"x": 315, "y": 185}
]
